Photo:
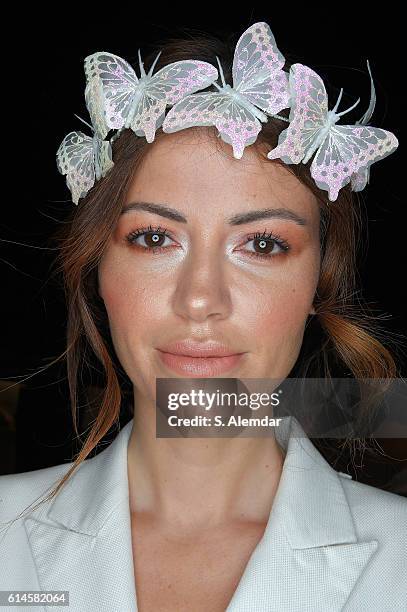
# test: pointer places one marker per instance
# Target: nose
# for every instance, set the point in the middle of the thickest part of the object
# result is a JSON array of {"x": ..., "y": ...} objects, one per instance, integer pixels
[{"x": 203, "y": 289}]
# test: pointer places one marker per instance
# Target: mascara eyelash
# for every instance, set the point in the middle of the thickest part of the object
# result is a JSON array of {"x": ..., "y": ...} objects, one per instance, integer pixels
[{"x": 281, "y": 242}]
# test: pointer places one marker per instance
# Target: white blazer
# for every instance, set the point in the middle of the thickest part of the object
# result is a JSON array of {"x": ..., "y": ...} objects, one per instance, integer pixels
[{"x": 330, "y": 543}]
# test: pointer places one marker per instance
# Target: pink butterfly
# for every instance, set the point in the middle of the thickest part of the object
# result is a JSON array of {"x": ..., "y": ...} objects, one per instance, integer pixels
[
  {"x": 344, "y": 153},
  {"x": 139, "y": 103},
  {"x": 260, "y": 88}
]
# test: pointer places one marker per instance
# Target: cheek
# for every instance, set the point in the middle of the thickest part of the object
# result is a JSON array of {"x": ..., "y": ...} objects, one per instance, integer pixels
[
  {"x": 276, "y": 311},
  {"x": 282, "y": 300},
  {"x": 275, "y": 317},
  {"x": 129, "y": 297}
]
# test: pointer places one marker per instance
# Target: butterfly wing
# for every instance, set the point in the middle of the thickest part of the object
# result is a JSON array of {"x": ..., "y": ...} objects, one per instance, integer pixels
[
  {"x": 75, "y": 159},
  {"x": 180, "y": 79},
  {"x": 95, "y": 104},
  {"x": 236, "y": 125},
  {"x": 119, "y": 83},
  {"x": 349, "y": 150},
  {"x": 148, "y": 116},
  {"x": 194, "y": 110},
  {"x": 104, "y": 159},
  {"x": 257, "y": 69},
  {"x": 308, "y": 116},
  {"x": 360, "y": 179}
]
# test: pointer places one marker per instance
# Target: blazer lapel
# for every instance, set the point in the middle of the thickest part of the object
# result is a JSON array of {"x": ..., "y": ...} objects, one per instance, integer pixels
[
  {"x": 81, "y": 540},
  {"x": 309, "y": 557}
]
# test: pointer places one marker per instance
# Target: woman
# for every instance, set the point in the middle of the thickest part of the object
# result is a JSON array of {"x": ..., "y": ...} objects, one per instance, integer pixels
[{"x": 181, "y": 251}]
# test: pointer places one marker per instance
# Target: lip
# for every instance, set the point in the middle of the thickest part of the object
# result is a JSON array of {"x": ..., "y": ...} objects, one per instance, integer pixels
[
  {"x": 191, "y": 348},
  {"x": 187, "y": 365}
]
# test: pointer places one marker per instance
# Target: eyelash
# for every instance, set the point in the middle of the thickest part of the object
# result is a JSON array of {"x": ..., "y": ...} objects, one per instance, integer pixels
[{"x": 133, "y": 235}]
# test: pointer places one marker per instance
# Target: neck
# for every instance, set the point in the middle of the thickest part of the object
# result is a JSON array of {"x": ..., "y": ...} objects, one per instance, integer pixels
[{"x": 195, "y": 482}]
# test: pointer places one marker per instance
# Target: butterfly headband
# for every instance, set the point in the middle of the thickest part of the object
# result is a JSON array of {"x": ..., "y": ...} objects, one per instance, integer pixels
[{"x": 117, "y": 99}]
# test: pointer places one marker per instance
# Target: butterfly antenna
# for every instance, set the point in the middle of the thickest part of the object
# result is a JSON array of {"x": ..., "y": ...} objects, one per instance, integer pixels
[
  {"x": 366, "y": 117},
  {"x": 338, "y": 101},
  {"x": 221, "y": 72},
  {"x": 140, "y": 63},
  {"x": 349, "y": 109},
  {"x": 150, "y": 72},
  {"x": 85, "y": 122},
  {"x": 345, "y": 111}
]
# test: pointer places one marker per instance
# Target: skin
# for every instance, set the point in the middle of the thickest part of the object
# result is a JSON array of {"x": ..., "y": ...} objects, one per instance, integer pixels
[{"x": 205, "y": 285}]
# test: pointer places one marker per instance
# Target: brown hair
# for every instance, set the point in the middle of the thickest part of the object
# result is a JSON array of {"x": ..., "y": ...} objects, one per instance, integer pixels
[{"x": 348, "y": 336}]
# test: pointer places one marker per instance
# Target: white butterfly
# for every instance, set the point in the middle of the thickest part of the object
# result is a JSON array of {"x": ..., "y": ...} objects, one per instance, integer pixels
[
  {"x": 344, "y": 153},
  {"x": 82, "y": 158},
  {"x": 140, "y": 103},
  {"x": 260, "y": 88}
]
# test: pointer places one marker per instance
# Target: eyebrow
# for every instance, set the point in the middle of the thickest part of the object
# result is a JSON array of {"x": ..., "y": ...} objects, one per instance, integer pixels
[{"x": 238, "y": 219}]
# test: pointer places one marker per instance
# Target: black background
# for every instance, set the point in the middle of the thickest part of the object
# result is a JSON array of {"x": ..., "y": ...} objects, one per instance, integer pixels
[{"x": 43, "y": 86}]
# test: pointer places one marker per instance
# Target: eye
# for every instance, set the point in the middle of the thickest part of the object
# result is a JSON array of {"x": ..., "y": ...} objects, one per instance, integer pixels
[
  {"x": 267, "y": 244},
  {"x": 153, "y": 238}
]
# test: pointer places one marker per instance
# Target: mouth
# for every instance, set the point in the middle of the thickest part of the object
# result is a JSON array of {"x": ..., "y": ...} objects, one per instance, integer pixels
[{"x": 205, "y": 366}]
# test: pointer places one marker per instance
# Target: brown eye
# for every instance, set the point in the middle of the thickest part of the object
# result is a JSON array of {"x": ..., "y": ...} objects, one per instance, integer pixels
[
  {"x": 154, "y": 239},
  {"x": 148, "y": 238},
  {"x": 264, "y": 246},
  {"x": 267, "y": 245}
]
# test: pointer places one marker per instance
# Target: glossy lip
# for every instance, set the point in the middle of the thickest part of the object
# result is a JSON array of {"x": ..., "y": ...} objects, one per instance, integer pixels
[
  {"x": 187, "y": 365},
  {"x": 192, "y": 348}
]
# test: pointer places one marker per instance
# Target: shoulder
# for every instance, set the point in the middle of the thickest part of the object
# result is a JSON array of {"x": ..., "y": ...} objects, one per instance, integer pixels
[
  {"x": 17, "y": 491},
  {"x": 376, "y": 513},
  {"x": 378, "y": 516},
  {"x": 19, "y": 495},
  {"x": 361, "y": 496}
]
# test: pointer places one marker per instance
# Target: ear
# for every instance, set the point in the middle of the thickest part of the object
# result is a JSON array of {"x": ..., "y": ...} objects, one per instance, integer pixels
[{"x": 312, "y": 311}]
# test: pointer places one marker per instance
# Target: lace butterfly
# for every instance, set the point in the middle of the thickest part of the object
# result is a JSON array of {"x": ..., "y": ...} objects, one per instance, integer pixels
[
  {"x": 260, "y": 88},
  {"x": 140, "y": 103},
  {"x": 85, "y": 159},
  {"x": 343, "y": 153}
]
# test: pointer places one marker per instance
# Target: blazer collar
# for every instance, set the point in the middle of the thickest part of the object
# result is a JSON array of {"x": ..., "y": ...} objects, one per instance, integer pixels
[
  {"x": 99, "y": 485},
  {"x": 309, "y": 554}
]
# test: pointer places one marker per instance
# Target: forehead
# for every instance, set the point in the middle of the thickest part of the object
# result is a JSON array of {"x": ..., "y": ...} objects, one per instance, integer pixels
[{"x": 194, "y": 169}]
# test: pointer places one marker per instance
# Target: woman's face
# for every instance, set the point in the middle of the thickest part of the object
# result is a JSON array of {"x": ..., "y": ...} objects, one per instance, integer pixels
[{"x": 204, "y": 281}]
